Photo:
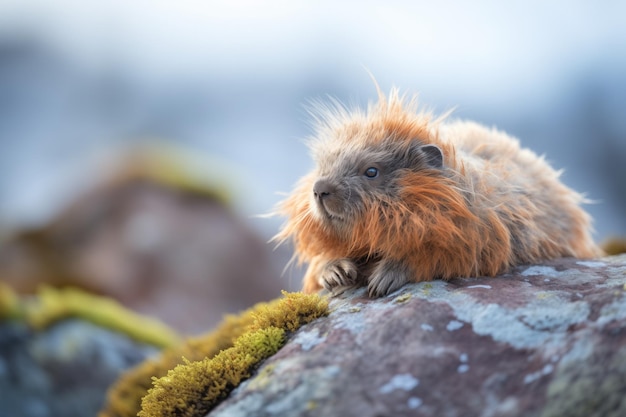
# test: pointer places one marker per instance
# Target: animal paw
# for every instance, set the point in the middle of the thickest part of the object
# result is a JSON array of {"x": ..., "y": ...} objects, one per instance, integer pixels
[
  {"x": 387, "y": 277},
  {"x": 339, "y": 273}
]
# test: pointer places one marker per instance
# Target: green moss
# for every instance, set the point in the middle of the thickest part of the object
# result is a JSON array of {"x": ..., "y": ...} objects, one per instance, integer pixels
[
  {"x": 124, "y": 397},
  {"x": 614, "y": 245},
  {"x": 10, "y": 307},
  {"x": 54, "y": 304},
  {"x": 194, "y": 388},
  {"x": 287, "y": 314},
  {"x": 182, "y": 170},
  {"x": 51, "y": 305}
]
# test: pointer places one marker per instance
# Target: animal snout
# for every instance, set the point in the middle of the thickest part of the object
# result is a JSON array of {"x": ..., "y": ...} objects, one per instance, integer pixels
[{"x": 322, "y": 189}]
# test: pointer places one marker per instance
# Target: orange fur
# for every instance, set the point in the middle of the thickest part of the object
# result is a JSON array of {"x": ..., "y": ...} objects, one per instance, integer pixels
[{"x": 493, "y": 205}]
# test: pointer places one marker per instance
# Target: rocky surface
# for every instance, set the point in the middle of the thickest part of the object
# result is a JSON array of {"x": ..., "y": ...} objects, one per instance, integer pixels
[
  {"x": 545, "y": 340},
  {"x": 64, "y": 370}
]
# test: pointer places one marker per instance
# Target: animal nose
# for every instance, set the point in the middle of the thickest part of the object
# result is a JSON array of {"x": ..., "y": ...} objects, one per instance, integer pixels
[{"x": 322, "y": 189}]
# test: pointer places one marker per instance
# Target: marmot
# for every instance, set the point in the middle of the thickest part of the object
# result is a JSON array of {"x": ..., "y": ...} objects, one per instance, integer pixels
[{"x": 399, "y": 196}]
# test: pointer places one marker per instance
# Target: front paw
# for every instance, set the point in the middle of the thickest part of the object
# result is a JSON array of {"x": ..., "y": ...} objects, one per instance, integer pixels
[
  {"x": 387, "y": 277},
  {"x": 339, "y": 273}
]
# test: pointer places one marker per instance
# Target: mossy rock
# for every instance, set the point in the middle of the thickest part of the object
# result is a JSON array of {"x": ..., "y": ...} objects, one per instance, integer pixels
[
  {"x": 180, "y": 169},
  {"x": 10, "y": 307},
  {"x": 190, "y": 379},
  {"x": 52, "y": 305},
  {"x": 194, "y": 388}
]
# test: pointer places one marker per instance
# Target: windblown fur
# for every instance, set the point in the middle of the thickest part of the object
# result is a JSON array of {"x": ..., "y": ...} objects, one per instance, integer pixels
[{"x": 398, "y": 196}]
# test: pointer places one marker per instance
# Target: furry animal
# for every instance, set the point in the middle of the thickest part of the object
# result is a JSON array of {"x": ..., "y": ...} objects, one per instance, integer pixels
[{"x": 399, "y": 196}]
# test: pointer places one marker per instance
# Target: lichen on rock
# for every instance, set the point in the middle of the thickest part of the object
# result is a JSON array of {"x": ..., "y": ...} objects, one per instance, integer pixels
[{"x": 541, "y": 341}]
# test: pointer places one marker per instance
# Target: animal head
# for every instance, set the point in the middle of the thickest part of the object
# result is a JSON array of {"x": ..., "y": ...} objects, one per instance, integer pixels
[
  {"x": 352, "y": 179},
  {"x": 378, "y": 174}
]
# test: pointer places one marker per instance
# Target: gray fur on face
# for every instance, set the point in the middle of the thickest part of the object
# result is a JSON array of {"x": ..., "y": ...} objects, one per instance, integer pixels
[{"x": 346, "y": 178}]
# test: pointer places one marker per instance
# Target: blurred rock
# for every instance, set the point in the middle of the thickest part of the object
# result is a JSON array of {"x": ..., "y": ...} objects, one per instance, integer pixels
[
  {"x": 154, "y": 237},
  {"x": 64, "y": 370},
  {"x": 544, "y": 340}
]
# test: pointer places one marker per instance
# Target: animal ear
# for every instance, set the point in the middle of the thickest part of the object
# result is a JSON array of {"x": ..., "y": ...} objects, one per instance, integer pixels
[
  {"x": 421, "y": 156},
  {"x": 434, "y": 156}
]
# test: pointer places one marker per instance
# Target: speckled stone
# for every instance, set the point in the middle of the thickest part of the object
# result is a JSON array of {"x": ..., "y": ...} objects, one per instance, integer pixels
[{"x": 544, "y": 340}]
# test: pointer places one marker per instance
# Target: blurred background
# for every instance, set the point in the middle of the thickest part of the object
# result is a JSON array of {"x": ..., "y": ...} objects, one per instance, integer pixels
[{"x": 225, "y": 84}]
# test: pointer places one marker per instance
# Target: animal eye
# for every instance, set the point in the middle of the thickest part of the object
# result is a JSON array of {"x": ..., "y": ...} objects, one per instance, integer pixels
[{"x": 371, "y": 172}]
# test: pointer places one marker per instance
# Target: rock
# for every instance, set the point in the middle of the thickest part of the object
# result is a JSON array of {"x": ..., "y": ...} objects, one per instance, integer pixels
[
  {"x": 544, "y": 340},
  {"x": 155, "y": 238},
  {"x": 64, "y": 370}
]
